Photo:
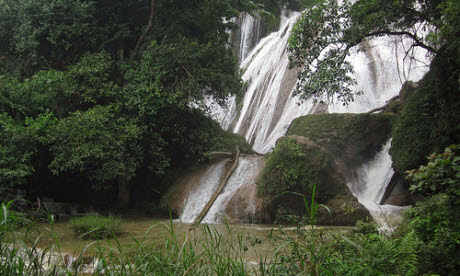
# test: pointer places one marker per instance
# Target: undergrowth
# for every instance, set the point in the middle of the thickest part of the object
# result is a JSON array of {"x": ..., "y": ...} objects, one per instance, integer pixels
[{"x": 427, "y": 243}]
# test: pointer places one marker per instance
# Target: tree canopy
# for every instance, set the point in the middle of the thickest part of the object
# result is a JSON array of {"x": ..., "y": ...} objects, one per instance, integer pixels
[
  {"x": 324, "y": 36},
  {"x": 103, "y": 88}
]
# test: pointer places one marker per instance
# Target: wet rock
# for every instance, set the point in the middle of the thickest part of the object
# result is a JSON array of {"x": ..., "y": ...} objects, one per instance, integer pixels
[
  {"x": 345, "y": 211},
  {"x": 244, "y": 206},
  {"x": 351, "y": 138}
]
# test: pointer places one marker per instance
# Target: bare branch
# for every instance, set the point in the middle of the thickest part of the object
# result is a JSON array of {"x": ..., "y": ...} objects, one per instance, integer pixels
[{"x": 411, "y": 35}]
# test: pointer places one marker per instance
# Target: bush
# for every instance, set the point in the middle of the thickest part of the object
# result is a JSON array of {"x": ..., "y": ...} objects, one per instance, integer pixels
[
  {"x": 436, "y": 220},
  {"x": 95, "y": 227},
  {"x": 366, "y": 227},
  {"x": 372, "y": 254}
]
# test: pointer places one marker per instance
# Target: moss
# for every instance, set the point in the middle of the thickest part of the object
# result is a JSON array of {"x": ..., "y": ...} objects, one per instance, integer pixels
[
  {"x": 352, "y": 137},
  {"x": 296, "y": 165},
  {"x": 394, "y": 107},
  {"x": 227, "y": 141},
  {"x": 430, "y": 118}
]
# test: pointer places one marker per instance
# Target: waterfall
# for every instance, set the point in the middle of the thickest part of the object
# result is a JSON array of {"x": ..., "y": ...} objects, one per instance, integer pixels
[
  {"x": 200, "y": 194},
  {"x": 368, "y": 186},
  {"x": 268, "y": 107},
  {"x": 381, "y": 67},
  {"x": 248, "y": 167},
  {"x": 248, "y": 34}
]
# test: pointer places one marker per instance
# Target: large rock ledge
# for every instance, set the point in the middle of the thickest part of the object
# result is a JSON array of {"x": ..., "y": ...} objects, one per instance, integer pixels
[
  {"x": 351, "y": 138},
  {"x": 296, "y": 165},
  {"x": 331, "y": 145}
]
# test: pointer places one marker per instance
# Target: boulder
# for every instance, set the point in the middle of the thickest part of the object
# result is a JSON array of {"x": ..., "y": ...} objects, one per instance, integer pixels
[
  {"x": 345, "y": 210},
  {"x": 351, "y": 138},
  {"x": 297, "y": 164},
  {"x": 245, "y": 206}
]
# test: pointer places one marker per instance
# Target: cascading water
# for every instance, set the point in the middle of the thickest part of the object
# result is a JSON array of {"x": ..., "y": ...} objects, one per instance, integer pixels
[
  {"x": 368, "y": 185},
  {"x": 268, "y": 107},
  {"x": 243, "y": 175},
  {"x": 247, "y": 36},
  {"x": 202, "y": 192}
]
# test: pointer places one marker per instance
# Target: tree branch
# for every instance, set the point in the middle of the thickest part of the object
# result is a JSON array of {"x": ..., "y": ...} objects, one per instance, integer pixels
[
  {"x": 146, "y": 30},
  {"x": 411, "y": 35}
]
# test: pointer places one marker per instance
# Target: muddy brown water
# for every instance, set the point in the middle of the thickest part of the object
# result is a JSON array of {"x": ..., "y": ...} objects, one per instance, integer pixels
[{"x": 156, "y": 231}]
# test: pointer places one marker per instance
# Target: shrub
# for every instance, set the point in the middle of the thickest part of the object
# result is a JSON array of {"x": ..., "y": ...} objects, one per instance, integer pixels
[
  {"x": 95, "y": 227},
  {"x": 436, "y": 220},
  {"x": 366, "y": 227},
  {"x": 372, "y": 254}
]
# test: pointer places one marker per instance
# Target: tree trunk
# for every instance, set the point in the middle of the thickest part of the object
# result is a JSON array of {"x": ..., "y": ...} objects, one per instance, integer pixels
[
  {"x": 146, "y": 30},
  {"x": 124, "y": 192}
]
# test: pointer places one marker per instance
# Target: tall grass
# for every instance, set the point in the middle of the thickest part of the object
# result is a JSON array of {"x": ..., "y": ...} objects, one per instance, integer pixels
[{"x": 205, "y": 251}]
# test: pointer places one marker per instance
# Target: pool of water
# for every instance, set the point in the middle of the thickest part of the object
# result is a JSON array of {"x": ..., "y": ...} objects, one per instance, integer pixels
[{"x": 259, "y": 239}]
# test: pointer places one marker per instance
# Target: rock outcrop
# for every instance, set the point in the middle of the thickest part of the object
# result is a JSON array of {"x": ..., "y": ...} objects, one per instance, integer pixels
[{"x": 297, "y": 165}]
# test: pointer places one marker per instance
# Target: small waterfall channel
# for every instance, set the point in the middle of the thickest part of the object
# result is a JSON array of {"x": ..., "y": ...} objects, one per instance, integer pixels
[
  {"x": 368, "y": 185},
  {"x": 240, "y": 188},
  {"x": 268, "y": 107}
]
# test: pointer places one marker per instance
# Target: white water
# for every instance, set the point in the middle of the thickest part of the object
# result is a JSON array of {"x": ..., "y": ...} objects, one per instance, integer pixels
[
  {"x": 202, "y": 192},
  {"x": 368, "y": 185},
  {"x": 199, "y": 196},
  {"x": 243, "y": 175},
  {"x": 381, "y": 67},
  {"x": 248, "y": 35}
]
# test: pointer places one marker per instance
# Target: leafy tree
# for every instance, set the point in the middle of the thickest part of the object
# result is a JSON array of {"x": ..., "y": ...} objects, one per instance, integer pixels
[
  {"x": 99, "y": 144},
  {"x": 44, "y": 34},
  {"x": 113, "y": 117},
  {"x": 325, "y": 34},
  {"x": 19, "y": 146}
]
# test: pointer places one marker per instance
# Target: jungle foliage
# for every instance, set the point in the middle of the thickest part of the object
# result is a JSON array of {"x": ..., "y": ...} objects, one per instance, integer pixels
[{"x": 102, "y": 90}]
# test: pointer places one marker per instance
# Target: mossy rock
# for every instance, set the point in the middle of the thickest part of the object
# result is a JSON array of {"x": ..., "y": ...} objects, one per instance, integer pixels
[
  {"x": 430, "y": 118},
  {"x": 297, "y": 165},
  {"x": 353, "y": 138},
  {"x": 345, "y": 210}
]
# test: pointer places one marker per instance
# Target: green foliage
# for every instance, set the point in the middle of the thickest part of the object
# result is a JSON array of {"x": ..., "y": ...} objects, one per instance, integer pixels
[
  {"x": 226, "y": 141},
  {"x": 429, "y": 120},
  {"x": 440, "y": 175},
  {"x": 10, "y": 219},
  {"x": 372, "y": 254},
  {"x": 98, "y": 143},
  {"x": 319, "y": 27},
  {"x": 283, "y": 168},
  {"x": 366, "y": 228},
  {"x": 292, "y": 167},
  {"x": 40, "y": 35},
  {"x": 95, "y": 227},
  {"x": 19, "y": 144},
  {"x": 436, "y": 220},
  {"x": 436, "y": 224},
  {"x": 323, "y": 37},
  {"x": 394, "y": 107}
]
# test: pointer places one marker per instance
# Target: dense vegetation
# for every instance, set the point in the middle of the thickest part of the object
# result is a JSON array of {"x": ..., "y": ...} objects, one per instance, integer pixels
[
  {"x": 96, "y": 102},
  {"x": 96, "y": 95}
]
